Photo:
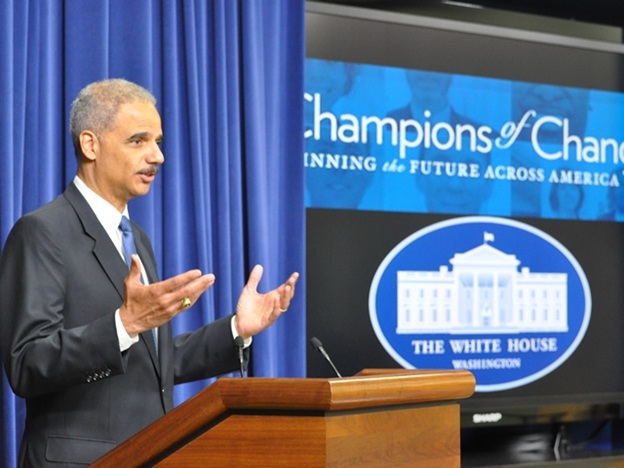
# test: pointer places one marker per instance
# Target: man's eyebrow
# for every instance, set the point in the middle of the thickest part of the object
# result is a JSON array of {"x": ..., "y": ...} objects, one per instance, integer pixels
[
  {"x": 139, "y": 135},
  {"x": 144, "y": 136}
]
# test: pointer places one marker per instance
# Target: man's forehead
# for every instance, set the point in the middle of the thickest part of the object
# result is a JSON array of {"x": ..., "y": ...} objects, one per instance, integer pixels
[
  {"x": 139, "y": 109},
  {"x": 139, "y": 117}
]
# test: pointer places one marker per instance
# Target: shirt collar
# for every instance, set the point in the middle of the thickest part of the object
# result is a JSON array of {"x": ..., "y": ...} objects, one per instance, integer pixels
[{"x": 107, "y": 214}]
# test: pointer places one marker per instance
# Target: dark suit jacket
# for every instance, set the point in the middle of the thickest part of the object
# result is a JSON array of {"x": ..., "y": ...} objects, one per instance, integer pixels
[{"x": 61, "y": 280}]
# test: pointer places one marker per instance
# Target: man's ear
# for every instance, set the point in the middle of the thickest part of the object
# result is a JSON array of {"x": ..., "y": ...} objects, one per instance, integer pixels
[{"x": 89, "y": 144}]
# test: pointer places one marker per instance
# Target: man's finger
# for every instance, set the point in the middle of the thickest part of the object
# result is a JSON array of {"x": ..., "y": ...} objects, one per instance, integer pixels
[
  {"x": 176, "y": 282},
  {"x": 254, "y": 277}
]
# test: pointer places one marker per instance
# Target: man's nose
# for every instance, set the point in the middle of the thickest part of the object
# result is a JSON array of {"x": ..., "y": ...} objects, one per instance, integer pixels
[{"x": 156, "y": 155}]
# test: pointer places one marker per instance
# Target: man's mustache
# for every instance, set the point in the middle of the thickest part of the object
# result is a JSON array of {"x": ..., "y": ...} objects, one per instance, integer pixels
[{"x": 152, "y": 170}]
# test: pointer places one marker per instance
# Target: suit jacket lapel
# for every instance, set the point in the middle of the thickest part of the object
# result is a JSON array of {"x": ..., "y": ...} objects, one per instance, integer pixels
[
  {"x": 109, "y": 258},
  {"x": 104, "y": 250}
]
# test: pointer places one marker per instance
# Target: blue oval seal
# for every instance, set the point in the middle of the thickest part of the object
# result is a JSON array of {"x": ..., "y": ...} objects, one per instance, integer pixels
[{"x": 494, "y": 296}]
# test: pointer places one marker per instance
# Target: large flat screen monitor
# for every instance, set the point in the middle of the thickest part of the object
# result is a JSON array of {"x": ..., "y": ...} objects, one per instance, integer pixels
[{"x": 465, "y": 207}]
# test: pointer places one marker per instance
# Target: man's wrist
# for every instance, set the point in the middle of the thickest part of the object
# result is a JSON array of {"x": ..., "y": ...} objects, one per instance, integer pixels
[
  {"x": 125, "y": 340},
  {"x": 246, "y": 341}
]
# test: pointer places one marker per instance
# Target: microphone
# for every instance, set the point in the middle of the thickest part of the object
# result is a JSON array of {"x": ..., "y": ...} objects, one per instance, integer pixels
[
  {"x": 316, "y": 344},
  {"x": 240, "y": 344}
]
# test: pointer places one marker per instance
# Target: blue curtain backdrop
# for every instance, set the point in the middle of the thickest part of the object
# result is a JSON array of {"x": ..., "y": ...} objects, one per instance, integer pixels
[{"x": 228, "y": 76}]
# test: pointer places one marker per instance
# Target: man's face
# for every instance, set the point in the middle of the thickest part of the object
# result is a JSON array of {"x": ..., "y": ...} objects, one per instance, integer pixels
[
  {"x": 128, "y": 155},
  {"x": 557, "y": 101},
  {"x": 337, "y": 187},
  {"x": 569, "y": 197},
  {"x": 326, "y": 78},
  {"x": 450, "y": 193},
  {"x": 429, "y": 89}
]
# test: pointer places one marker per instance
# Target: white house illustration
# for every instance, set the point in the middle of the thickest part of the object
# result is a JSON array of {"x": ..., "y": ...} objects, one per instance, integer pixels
[{"x": 484, "y": 293}]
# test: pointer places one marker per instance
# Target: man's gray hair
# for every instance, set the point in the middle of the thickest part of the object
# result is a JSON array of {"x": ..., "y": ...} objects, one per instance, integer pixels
[{"x": 96, "y": 106}]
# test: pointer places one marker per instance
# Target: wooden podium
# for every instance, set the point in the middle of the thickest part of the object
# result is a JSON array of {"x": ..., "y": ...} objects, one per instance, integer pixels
[{"x": 380, "y": 417}]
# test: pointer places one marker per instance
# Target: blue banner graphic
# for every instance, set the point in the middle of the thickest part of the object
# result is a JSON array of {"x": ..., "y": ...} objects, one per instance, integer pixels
[{"x": 388, "y": 139}]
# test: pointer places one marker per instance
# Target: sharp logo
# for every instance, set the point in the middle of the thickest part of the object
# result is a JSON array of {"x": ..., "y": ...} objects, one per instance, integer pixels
[
  {"x": 486, "y": 418},
  {"x": 491, "y": 295}
]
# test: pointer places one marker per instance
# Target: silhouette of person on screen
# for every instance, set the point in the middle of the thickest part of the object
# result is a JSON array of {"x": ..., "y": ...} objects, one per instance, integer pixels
[
  {"x": 566, "y": 200},
  {"x": 344, "y": 176},
  {"x": 562, "y": 102},
  {"x": 571, "y": 104},
  {"x": 331, "y": 80},
  {"x": 429, "y": 92},
  {"x": 452, "y": 181},
  {"x": 615, "y": 200},
  {"x": 338, "y": 173}
]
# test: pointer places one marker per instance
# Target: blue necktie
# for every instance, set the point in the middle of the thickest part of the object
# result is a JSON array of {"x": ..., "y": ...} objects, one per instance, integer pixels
[
  {"x": 129, "y": 248},
  {"x": 127, "y": 240}
]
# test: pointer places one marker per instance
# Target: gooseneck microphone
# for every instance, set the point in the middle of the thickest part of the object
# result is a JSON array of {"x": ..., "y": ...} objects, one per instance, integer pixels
[
  {"x": 316, "y": 344},
  {"x": 240, "y": 344}
]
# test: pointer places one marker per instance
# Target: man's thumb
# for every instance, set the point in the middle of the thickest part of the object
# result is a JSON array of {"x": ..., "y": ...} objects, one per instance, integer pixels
[
  {"x": 254, "y": 277},
  {"x": 135, "y": 268}
]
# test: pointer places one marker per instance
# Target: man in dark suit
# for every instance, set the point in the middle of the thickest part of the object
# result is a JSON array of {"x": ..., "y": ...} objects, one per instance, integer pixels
[{"x": 77, "y": 326}]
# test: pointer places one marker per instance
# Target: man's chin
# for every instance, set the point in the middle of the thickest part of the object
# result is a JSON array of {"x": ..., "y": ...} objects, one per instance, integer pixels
[{"x": 141, "y": 190}]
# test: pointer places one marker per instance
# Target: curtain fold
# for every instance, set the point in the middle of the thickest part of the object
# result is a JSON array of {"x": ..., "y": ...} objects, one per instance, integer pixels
[
  {"x": 272, "y": 101},
  {"x": 228, "y": 76}
]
